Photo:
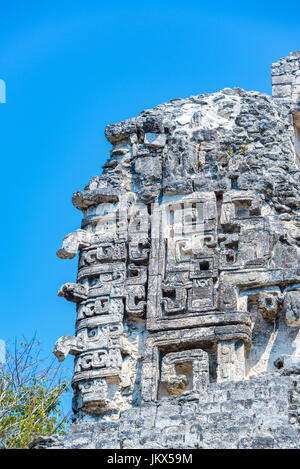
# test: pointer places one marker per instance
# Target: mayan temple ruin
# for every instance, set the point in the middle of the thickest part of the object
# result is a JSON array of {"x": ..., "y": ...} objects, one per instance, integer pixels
[{"x": 188, "y": 286}]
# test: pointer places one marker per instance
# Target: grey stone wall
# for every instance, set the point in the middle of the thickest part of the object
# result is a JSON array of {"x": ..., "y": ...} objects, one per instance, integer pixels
[{"x": 286, "y": 78}]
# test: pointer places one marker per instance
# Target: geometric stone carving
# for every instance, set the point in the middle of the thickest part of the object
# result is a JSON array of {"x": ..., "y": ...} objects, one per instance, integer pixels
[
  {"x": 189, "y": 250},
  {"x": 73, "y": 292}
]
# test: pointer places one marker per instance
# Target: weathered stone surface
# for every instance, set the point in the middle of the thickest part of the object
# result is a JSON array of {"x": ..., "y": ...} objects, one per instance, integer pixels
[{"x": 189, "y": 277}]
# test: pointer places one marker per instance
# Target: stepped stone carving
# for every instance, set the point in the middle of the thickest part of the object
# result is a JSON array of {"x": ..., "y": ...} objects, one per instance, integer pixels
[{"x": 189, "y": 255}]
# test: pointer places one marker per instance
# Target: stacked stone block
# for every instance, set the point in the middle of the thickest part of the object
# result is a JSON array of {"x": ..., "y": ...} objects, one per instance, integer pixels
[{"x": 188, "y": 285}]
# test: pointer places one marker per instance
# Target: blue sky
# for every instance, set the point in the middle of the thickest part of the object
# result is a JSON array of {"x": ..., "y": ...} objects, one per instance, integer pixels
[{"x": 70, "y": 69}]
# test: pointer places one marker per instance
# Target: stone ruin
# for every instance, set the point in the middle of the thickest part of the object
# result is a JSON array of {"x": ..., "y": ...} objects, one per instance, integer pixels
[{"x": 188, "y": 286}]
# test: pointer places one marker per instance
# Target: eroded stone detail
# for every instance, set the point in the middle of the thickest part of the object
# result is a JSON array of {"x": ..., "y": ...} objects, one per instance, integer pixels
[{"x": 292, "y": 308}]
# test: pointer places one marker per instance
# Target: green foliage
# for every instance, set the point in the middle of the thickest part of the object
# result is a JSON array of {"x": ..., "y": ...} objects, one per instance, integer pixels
[{"x": 29, "y": 397}]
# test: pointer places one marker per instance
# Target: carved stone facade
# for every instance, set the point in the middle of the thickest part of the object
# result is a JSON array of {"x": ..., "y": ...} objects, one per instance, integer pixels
[{"x": 189, "y": 249}]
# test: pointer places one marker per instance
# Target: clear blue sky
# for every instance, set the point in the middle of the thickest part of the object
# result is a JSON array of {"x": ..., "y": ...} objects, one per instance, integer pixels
[{"x": 70, "y": 69}]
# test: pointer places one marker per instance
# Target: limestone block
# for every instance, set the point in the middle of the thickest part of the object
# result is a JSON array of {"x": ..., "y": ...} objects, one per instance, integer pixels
[
  {"x": 282, "y": 79},
  {"x": 148, "y": 168},
  {"x": 120, "y": 131}
]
